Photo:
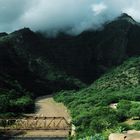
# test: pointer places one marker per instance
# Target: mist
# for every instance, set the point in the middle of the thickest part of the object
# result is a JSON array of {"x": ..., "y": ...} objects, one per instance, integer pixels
[{"x": 71, "y": 16}]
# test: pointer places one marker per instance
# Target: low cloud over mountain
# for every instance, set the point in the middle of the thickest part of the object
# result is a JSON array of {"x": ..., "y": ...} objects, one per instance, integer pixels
[{"x": 70, "y": 15}]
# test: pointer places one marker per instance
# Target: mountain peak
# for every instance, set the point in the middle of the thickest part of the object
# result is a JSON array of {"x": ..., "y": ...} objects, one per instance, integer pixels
[
  {"x": 23, "y": 31},
  {"x": 126, "y": 17},
  {"x": 3, "y": 34}
]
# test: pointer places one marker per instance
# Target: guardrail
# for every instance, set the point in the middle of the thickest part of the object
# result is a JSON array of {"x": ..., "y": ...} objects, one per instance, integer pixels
[{"x": 35, "y": 123}]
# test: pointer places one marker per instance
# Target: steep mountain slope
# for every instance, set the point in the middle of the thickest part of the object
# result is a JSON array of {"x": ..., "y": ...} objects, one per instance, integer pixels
[
  {"x": 90, "y": 106},
  {"x": 44, "y": 65},
  {"x": 92, "y": 53},
  {"x": 22, "y": 58}
]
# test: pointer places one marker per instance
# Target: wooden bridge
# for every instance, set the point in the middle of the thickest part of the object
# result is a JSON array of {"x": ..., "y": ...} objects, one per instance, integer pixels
[{"x": 35, "y": 123}]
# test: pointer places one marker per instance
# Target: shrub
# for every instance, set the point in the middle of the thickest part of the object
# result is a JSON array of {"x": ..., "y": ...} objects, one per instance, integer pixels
[
  {"x": 95, "y": 137},
  {"x": 136, "y": 126}
]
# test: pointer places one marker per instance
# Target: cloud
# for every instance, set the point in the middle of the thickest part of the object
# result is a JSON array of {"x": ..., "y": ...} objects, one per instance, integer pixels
[
  {"x": 10, "y": 11},
  {"x": 98, "y": 8},
  {"x": 73, "y": 16}
]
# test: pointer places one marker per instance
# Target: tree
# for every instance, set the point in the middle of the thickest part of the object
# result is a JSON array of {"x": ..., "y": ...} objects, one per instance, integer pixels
[
  {"x": 24, "y": 104},
  {"x": 4, "y": 103},
  {"x": 124, "y": 107},
  {"x": 136, "y": 126}
]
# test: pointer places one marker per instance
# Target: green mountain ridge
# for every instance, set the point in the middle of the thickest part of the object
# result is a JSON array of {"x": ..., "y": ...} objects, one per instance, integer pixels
[
  {"x": 89, "y": 107},
  {"x": 127, "y": 75}
]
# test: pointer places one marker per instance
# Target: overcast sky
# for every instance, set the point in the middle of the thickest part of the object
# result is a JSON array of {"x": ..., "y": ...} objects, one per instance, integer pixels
[{"x": 70, "y": 15}]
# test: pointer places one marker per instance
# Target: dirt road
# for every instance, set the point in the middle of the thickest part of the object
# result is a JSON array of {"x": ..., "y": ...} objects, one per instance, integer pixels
[{"x": 46, "y": 106}]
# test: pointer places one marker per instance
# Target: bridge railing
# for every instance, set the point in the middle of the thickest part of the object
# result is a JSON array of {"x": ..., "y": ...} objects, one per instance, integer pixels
[{"x": 35, "y": 123}]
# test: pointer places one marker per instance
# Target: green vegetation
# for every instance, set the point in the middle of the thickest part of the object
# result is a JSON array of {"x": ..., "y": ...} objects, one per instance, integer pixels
[
  {"x": 90, "y": 107},
  {"x": 95, "y": 137},
  {"x": 136, "y": 126},
  {"x": 14, "y": 100}
]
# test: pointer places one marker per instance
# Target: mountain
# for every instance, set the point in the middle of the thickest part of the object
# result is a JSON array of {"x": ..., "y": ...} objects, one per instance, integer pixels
[
  {"x": 116, "y": 54},
  {"x": 22, "y": 57},
  {"x": 43, "y": 65},
  {"x": 92, "y": 53}
]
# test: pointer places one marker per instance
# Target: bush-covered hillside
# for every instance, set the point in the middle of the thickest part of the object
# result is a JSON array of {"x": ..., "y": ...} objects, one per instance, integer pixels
[{"x": 90, "y": 107}]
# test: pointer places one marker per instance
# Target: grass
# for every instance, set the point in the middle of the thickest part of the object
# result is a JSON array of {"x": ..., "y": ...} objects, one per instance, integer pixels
[{"x": 131, "y": 121}]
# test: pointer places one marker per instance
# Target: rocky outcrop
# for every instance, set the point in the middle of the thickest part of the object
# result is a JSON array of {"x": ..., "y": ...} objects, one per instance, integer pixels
[
  {"x": 117, "y": 137},
  {"x": 130, "y": 135}
]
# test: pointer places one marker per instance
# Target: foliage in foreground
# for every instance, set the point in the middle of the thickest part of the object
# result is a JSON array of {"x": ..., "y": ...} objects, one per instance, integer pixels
[{"x": 95, "y": 137}]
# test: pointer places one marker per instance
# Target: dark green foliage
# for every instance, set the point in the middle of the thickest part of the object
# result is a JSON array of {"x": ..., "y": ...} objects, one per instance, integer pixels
[
  {"x": 11, "y": 103},
  {"x": 135, "y": 112},
  {"x": 13, "y": 98},
  {"x": 124, "y": 127},
  {"x": 136, "y": 126},
  {"x": 123, "y": 109},
  {"x": 22, "y": 104},
  {"x": 95, "y": 137}
]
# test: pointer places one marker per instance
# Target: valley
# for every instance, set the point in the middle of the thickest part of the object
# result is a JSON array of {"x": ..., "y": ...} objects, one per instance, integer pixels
[{"x": 86, "y": 74}]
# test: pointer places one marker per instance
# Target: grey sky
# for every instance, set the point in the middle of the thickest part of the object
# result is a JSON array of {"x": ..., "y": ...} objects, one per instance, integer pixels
[{"x": 54, "y": 15}]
